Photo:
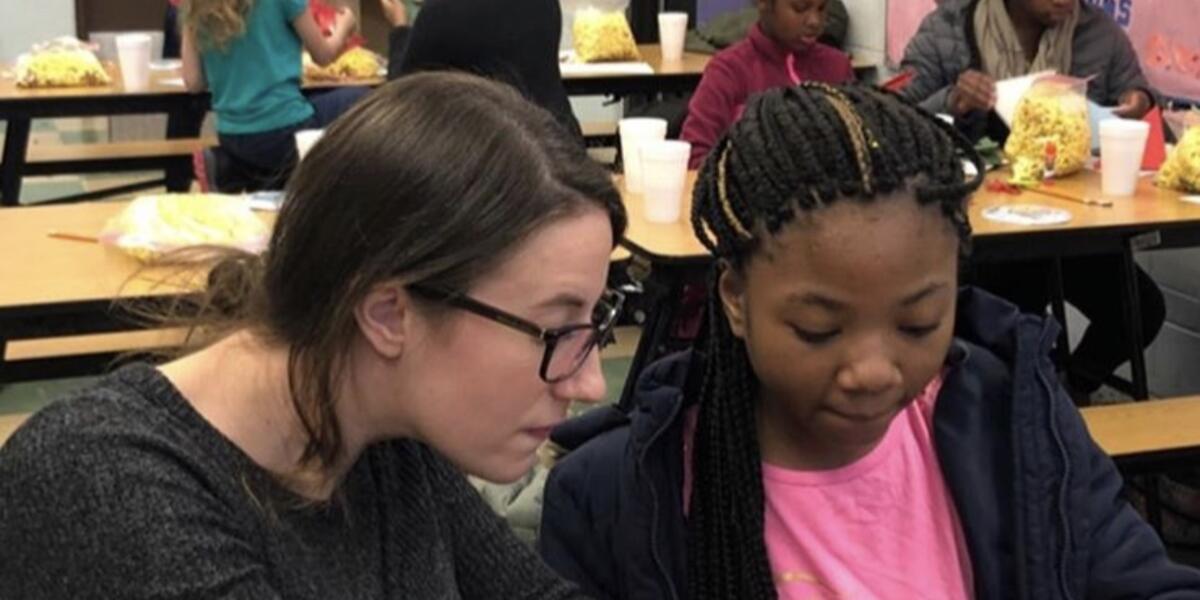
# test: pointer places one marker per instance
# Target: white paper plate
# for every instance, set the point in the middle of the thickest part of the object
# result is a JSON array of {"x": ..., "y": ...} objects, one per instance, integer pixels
[
  {"x": 169, "y": 64},
  {"x": 1192, "y": 199},
  {"x": 1026, "y": 214}
]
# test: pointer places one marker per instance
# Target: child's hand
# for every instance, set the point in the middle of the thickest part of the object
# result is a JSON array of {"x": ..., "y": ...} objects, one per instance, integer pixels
[
  {"x": 395, "y": 12},
  {"x": 973, "y": 91},
  {"x": 1134, "y": 104}
]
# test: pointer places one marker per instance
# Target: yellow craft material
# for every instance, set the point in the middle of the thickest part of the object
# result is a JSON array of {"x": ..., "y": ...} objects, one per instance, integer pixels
[
  {"x": 355, "y": 63},
  {"x": 1181, "y": 171},
  {"x": 154, "y": 225},
  {"x": 1051, "y": 114},
  {"x": 64, "y": 62},
  {"x": 603, "y": 37}
]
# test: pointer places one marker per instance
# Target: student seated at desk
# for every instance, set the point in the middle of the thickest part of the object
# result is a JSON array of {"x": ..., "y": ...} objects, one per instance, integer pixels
[
  {"x": 429, "y": 303},
  {"x": 781, "y": 49},
  {"x": 957, "y": 56},
  {"x": 853, "y": 426},
  {"x": 513, "y": 41},
  {"x": 965, "y": 46},
  {"x": 249, "y": 55}
]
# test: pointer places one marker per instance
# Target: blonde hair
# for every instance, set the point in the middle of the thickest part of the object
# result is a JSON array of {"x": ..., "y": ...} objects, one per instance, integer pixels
[{"x": 215, "y": 22}]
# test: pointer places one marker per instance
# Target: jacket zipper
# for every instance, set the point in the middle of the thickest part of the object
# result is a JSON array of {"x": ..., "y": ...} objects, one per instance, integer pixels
[
  {"x": 1064, "y": 524},
  {"x": 658, "y": 562}
]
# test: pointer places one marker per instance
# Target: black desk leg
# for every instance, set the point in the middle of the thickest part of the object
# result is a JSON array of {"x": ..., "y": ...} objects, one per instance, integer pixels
[
  {"x": 184, "y": 122},
  {"x": 1154, "y": 513},
  {"x": 1133, "y": 323},
  {"x": 656, "y": 331},
  {"x": 1058, "y": 307},
  {"x": 16, "y": 142}
]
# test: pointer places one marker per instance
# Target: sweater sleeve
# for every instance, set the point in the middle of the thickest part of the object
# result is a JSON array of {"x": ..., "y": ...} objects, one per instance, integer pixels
[
  {"x": 93, "y": 514},
  {"x": 1124, "y": 70},
  {"x": 490, "y": 561},
  {"x": 712, "y": 110}
]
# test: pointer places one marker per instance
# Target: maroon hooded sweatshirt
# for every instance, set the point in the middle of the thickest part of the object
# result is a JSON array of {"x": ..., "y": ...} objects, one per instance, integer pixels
[{"x": 753, "y": 65}]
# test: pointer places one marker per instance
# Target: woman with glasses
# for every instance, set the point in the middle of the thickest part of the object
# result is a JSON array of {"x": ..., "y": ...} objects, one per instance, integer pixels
[{"x": 429, "y": 304}]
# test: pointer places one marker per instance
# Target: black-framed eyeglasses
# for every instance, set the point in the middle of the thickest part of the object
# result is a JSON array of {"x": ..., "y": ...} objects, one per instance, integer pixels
[{"x": 567, "y": 347}]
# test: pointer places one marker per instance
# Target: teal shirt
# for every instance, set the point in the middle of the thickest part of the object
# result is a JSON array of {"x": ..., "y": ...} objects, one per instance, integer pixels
[{"x": 255, "y": 80}]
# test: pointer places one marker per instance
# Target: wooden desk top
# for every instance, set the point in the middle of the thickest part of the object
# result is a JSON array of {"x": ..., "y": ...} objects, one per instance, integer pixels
[
  {"x": 9, "y": 423},
  {"x": 1144, "y": 427},
  {"x": 692, "y": 65},
  {"x": 159, "y": 85},
  {"x": 39, "y": 270},
  {"x": 162, "y": 83},
  {"x": 1150, "y": 206}
]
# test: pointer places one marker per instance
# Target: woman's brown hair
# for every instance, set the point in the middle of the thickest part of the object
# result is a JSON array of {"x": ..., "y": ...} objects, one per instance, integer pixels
[{"x": 433, "y": 179}]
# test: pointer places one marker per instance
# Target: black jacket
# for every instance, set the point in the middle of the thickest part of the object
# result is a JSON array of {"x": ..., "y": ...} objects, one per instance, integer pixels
[{"x": 1040, "y": 504}]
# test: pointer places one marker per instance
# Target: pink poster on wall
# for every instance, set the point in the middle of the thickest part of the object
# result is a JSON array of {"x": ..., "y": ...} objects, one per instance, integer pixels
[
  {"x": 1164, "y": 33},
  {"x": 903, "y": 19}
]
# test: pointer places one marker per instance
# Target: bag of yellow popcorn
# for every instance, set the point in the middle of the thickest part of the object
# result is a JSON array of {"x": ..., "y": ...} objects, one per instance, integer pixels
[
  {"x": 1181, "y": 171},
  {"x": 354, "y": 64},
  {"x": 152, "y": 226},
  {"x": 603, "y": 36},
  {"x": 62, "y": 62},
  {"x": 1050, "y": 130}
]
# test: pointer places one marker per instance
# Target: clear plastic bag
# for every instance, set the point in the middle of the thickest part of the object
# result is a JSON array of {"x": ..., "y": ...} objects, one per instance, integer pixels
[
  {"x": 603, "y": 36},
  {"x": 1051, "y": 136},
  {"x": 61, "y": 62},
  {"x": 1181, "y": 171},
  {"x": 155, "y": 225}
]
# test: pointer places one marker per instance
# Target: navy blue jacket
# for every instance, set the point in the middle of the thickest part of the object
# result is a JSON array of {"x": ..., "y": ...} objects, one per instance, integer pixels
[{"x": 1040, "y": 503}]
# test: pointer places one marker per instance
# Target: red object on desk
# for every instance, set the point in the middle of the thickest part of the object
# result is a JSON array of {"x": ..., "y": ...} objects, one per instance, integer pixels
[
  {"x": 899, "y": 82},
  {"x": 1156, "y": 145},
  {"x": 326, "y": 15}
]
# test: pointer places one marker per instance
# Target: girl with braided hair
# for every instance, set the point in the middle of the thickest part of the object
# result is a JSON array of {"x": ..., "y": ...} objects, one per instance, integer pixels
[{"x": 853, "y": 425}]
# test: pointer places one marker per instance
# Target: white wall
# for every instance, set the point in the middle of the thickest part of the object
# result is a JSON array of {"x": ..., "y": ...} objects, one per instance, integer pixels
[
  {"x": 868, "y": 28},
  {"x": 26, "y": 22}
]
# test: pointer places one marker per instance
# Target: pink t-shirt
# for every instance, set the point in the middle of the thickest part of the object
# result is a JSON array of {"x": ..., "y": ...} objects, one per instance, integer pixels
[{"x": 883, "y": 527}]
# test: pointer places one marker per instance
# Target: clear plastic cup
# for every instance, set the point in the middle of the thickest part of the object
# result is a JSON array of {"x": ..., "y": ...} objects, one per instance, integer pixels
[
  {"x": 133, "y": 54},
  {"x": 305, "y": 139},
  {"x": 664, "y": 175},
  {"x": 1122, "y": 144},
  {"x": 635, "y": 131},
  {"x": 672, "y": 30}
]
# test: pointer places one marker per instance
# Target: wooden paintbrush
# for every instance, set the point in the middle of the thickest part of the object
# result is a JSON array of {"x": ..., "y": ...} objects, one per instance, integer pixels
[{"x": 1070, "y": 198}]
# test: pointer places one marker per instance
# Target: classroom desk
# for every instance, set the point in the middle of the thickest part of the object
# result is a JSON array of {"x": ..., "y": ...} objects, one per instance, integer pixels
[
  {"x": 679, "y": 77},
  {"x": 1153, "y": 218},
  {"x": 55, "y": 288},
  {"x": 165, "y": 94},
  {"x": 668, "y": 77}
]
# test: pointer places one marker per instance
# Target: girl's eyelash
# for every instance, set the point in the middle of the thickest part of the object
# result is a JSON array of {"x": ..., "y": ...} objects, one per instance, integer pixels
[
  {"x": 920, "y": 331},
  {"x": 814, "y": 337}
]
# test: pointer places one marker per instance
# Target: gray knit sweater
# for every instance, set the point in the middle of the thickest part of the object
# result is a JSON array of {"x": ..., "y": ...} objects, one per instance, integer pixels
[{"x": 122, "y": 490}]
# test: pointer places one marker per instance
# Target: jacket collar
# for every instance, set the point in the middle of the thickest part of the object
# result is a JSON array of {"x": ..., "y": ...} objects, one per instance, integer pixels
[{"x": 762, "y": 43}]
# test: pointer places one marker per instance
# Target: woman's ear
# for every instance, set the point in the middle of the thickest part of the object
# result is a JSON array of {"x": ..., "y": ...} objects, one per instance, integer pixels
[
  {"x": 382, "y": 318},
  {"x": 732, "y": 288}
]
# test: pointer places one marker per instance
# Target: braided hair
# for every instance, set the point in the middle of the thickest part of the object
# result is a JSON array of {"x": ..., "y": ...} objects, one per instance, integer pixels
[{"x": 794, "y": 150}]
